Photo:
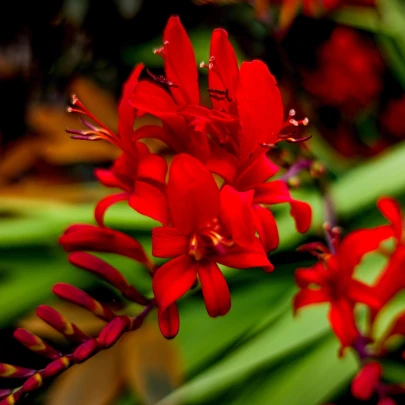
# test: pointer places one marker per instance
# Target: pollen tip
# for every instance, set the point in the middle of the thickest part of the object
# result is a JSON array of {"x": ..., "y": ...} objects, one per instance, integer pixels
[
  {"x": 74, "y": 99},
  {"x": 202, "y": 64},
  {"x": 305, "y": 121},
  {"x": 69, "y": 109}
]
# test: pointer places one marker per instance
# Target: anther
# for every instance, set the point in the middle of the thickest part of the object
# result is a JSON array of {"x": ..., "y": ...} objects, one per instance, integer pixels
[{"x": 161, "y": 79}]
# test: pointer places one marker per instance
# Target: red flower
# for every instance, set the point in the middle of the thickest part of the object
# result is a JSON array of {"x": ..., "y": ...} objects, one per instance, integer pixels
[
  {"x": 164, "y": 97},
  {"x": 332, "y": 281},
  {"x": 139, "y": 173},
  {"x": 208, "y": 226},
  {"x": 349, "y": 73}
]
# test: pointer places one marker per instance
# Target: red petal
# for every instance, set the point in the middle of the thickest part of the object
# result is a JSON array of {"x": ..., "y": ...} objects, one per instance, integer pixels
[
  {"x": 125, "y": 110},
  {"x": 103, "y": 205},
  {"x": 256, "y": 173},
  {"x": 266, "y": 227},
  {"x": 365, "y": 382},
  {"x": 392, "y": 279},
  {"x": 273, "y": 192},
  {"x": 302, "y": 214},
  {"x": 392, "y": 211},
  {"x": 107, "y": 178},
  {"x": 180, "y": 63},
  {"x": 360, "y": 292},
  {"x": 149, "y": 200},
  {"x": 313, "y": 275},
  {"x": 225, "y": 72},
  {"x": 237, "y": 215},
  {"x": 173, "y": 280},
  {"x": 215, "y": 289},
  {"x": 222, "y": 163},
  {"x": 355, "y": 245},
  {"x": 168, "y": 242},
  {"x": 192, "y": 193},
  {"x": 309, "y": 297},
  {"x": 153, "y": 99},
  {"x": 260, "y": 107},
  {"x": 169, "y": 321},
  {"x": 243, "y": 257},
  {"x": 152, "y": 167},
  {"x": 342, "y": 320}
]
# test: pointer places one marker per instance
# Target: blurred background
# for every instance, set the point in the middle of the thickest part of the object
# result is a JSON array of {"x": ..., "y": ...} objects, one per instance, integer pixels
[{"x": 341, "y": 64}]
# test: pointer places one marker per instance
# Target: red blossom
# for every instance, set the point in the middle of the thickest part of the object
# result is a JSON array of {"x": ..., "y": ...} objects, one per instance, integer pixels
[
  {"x": 332, "y": 281},
  {"x": 205, "y": 230}
]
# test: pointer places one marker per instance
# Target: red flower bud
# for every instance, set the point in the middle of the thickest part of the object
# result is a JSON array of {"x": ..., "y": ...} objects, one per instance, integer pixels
[
  {"x": 102, "y": 269},
  {"x": 82, "y": 299},
  {"x": 33, "y": 382},
  {"x": 36, "y": 344},
  {"x": 57, "y": 366},
  {"x": 86, "y": 350},
  {"x": 365, "y": 382},
  {"x": 61, "y": 324},
  {"x": 113, "y": 331},
  {"x": 9, "y": 371}
]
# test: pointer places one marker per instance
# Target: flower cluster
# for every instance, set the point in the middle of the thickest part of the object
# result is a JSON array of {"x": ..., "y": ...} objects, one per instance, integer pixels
[
  {"x": 211, "y": 201},
  {"x": 333, "y": 280},
  {"x": 203, "y": 224}
]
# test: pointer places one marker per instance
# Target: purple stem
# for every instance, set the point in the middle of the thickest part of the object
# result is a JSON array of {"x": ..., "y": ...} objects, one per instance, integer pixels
[{"x": 295, "y": 169}]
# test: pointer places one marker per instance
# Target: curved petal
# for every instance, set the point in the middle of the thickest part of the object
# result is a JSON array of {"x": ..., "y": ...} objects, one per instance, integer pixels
[
  {"x": 180, "y": 63},
  {"x": 224, "y": 73},
  {"x": 222, "y": 163},
  {"x": 192, "y": 194},
  {"x": 392, "y": 278},
  {"x": 152, "y": 167},
  {"x": 150, "y": 98},
  {"x": 172, "y": 280},
  {"x": 355, "y": 245},
  {"x": 260, "y": 107},
  {"x": 237, "y": 215},
  {"x": 309, "y": 297},
  {"x": 302, "y": 214},
  {"x": 103, "y": 205},
  {"x": 360, "y": 292},
  {"x": 126, "y": 112},
  {"x": 273, "y": 192},
  {"x": 260, "y": 170},
  {"x": 304, "y": 277},
  {"x": 343, "y": 324},
  {"x": 168, "y": 242},
  {"x": 243, "y": 257},
  {"x": 215, "y": 289},
  {"x": 169, "y": 321},
  {"x": 266, "y": 227},
  {"x": 392, "y": 211}
]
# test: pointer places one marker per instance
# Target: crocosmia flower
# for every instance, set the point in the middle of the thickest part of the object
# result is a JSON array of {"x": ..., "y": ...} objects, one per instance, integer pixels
[
  {"x": 207, "y": 226},
  {"x": 332, "y": 281}
]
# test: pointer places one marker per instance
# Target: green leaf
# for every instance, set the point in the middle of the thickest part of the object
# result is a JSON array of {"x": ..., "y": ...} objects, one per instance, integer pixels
[
  {"x": 285, "y": 336},
  {"x": 311, "y": 379}
]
